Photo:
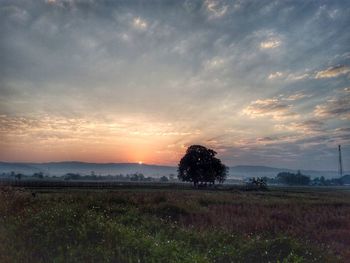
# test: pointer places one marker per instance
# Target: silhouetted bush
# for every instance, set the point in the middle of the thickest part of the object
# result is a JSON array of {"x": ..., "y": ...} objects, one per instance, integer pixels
[{"x": 258, "y": 184}]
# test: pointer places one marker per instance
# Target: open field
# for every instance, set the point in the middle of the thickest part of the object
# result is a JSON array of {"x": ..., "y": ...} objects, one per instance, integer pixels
[{"x": 169, "y": 224}]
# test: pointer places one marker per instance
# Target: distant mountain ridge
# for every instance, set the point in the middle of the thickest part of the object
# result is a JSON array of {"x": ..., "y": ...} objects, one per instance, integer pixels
[{"x": 84, "y": 168}]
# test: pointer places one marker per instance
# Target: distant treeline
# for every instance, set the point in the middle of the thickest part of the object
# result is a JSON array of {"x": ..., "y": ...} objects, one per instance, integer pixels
[
  {"x": 282, "y": 178},
  {"x": 135, "y": 177},
  {"x": 288, "y": 178}
]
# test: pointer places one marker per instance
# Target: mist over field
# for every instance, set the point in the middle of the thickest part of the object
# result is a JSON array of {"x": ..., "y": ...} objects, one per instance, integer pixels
[{"x": 62, "y": 168}]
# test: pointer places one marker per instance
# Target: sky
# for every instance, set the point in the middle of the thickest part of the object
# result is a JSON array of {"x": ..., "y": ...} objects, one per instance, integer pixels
[{"x": 260, "y": 82}]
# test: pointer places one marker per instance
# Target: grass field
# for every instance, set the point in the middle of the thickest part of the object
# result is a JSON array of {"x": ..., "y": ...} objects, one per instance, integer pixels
[{"x": 174, "y": 225}]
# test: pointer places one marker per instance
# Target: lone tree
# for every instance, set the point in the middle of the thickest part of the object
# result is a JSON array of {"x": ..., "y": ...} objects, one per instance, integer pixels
[{"x": 199, "y": 165}]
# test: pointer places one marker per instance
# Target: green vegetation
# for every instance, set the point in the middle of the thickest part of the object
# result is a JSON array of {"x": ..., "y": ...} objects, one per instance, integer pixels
[
  {"x": 293, "y": 179},
  {"x": 149, "y": 225}
]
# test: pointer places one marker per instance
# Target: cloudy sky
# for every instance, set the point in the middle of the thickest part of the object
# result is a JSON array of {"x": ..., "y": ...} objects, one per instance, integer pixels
[{"x": 261, "y": 82}]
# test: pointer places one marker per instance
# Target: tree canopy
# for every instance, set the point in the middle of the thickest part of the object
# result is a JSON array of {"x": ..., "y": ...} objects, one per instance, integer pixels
[
  {"x": 293, "y": 179},
  {"x": 199, "y": 165}
]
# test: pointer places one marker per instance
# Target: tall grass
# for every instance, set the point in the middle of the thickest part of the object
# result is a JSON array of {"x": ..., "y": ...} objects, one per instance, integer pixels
[{"x": 173, "y": 226}]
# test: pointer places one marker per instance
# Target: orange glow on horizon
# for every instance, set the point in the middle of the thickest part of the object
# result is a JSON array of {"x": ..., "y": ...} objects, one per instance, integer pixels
[{"x": 53, "y": 139}]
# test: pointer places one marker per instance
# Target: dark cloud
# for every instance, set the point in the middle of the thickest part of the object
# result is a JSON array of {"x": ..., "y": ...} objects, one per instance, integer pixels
[
  {"x": 275, "y": 108},
  {"x": 335, "y": 107},
  {"x": 333, "y": 72}
]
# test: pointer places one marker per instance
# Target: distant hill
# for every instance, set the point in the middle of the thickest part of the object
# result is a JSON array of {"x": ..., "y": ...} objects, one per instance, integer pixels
[{"x": 62, "y": 168}]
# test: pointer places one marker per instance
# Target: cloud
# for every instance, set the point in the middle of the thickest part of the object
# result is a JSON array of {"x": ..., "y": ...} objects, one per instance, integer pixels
[
  {"x": 332, "y": 72},
  {"x": 89, "y": 138},
  {"x": 216, "y": 8},
  {"x": 214, "y": 63},
  {"x": 295, "y": 77},
  {"x": 52, "y": 2},
  {"x": 61, "y": 3},
  {"x": 275, "y": 75},
  {"x": 336, "y": 107},
  {"x": 140, "y": 23},
  {"x": 325, "y": 11},
  {"x": 270, "y": 43},
  {"x": 83, "y": 128},
  {"x": 297, "y": 96},
  {"x": 304, "y": 127},
  {"x": 288, "y": 76},
  {"x": 275, "y": 108}
]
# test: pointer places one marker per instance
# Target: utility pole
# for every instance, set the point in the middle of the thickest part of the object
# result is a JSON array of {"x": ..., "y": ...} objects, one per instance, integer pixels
[{"x": 340, "y": 162}]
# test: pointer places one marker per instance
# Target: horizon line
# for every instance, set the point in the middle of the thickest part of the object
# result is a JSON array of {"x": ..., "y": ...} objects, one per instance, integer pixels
[{"x": 164, "y": 165}]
